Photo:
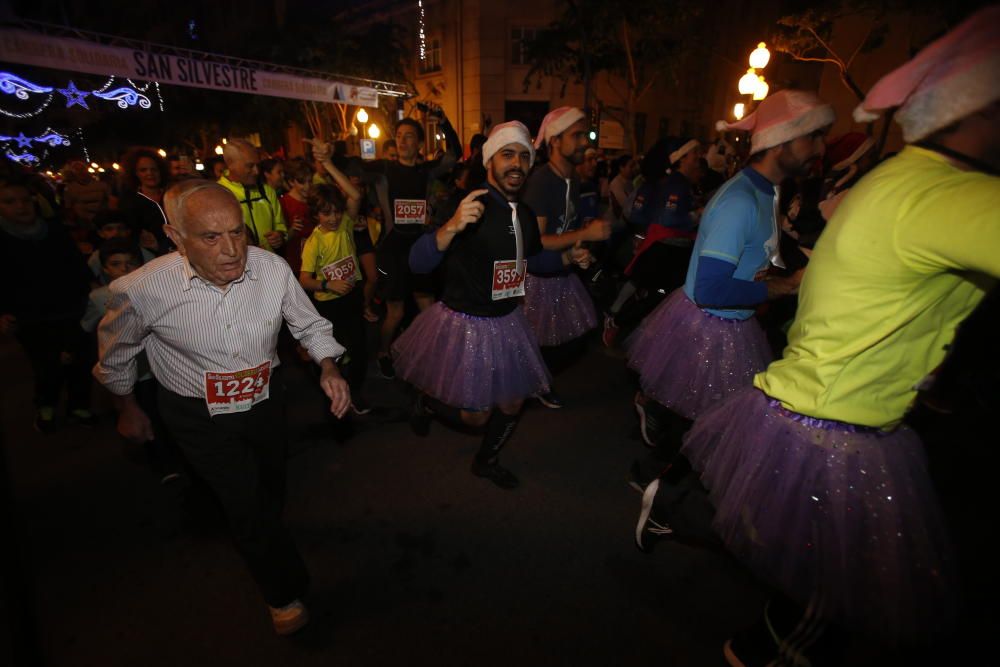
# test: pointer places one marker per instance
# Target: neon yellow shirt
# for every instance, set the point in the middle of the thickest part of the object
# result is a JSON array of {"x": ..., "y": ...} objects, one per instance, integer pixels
[
  {"x": 907, "y": 256},
  {"x": 261, "y": 210},
  {"x": 332, "y": 256}
]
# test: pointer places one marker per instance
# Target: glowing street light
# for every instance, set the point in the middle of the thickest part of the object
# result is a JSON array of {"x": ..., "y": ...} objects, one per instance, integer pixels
[
  {"x": 94, "y": 165},
  {"x": 760, "y": 92},
  {"x": 218, "y": 150},
  {"x": 760, "y": 56},
  {"x": 373, "y": 131},
  {"x": 739, "y": 110},
  {"x": 362, "y": 116},
  {"x": 161, "y": 152},
  {"x": 115, "y": 166},
  {"x": 748, "y": 82}
]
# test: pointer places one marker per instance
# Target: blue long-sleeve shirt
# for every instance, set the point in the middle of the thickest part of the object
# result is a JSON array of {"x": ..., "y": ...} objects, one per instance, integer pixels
[{"x": 736, "y": 239}]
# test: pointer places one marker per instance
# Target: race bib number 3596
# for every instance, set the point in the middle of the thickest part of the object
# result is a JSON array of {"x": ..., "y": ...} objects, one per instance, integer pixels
[
  {"x": 227, "y": 392},
  {"x": 410, "y": 211},
  {"x": 508, "y": 279}
]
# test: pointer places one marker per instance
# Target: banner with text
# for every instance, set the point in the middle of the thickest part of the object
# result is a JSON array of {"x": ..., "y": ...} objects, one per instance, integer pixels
[{"x": 28, "y": 48}]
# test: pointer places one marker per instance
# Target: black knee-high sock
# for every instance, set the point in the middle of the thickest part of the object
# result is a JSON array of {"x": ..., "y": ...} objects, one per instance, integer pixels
[
  {"x": 442, "y": 410},
  {"x": 498, "y": 431},
  {"x": 673, "y": 437},
  {"x": 676, "y": 470}
]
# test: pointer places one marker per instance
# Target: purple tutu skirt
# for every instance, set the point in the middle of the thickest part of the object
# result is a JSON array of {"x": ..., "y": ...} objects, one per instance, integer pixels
[
  {"x": 470, "y": 362},
  {"x": 558, "y": 308},
  {"x": 837, "y": 516},
  {"x": 689, "y": 360}
]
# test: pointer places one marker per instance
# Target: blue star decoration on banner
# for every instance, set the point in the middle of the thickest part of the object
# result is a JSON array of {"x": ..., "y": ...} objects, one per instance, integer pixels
[
  {"x": 74, "y": 96},
  {"x": 23, "y": 141}
]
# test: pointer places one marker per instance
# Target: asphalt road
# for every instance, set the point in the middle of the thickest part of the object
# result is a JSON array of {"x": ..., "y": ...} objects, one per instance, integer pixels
[{"x": 414, "y": 561}]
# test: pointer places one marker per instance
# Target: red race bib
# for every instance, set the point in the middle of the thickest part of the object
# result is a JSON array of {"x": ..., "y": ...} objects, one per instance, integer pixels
[
  {"x": 342, "y": 269},
  {"x": 237, "y": 391},
  {"x": 411, "y": 211},
  {"x": 507, "y": 281}
]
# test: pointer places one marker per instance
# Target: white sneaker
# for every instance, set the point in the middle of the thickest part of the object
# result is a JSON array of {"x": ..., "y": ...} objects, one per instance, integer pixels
[
  {"x": 646, "y": 526},
  {"x": 289, "y": 619}
]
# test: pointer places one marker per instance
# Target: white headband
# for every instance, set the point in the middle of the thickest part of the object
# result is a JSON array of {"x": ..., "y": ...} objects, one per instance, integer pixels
[
  {"x": 683, "y": 150},
  {"x": 556, "y": 122},
  {"x": 511, "y": 132}
]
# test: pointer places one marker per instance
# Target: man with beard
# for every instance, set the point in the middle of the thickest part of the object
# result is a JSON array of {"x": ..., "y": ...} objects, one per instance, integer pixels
[
  {"x": 402, "y": 187},
  {"x": 702, "y": 343},
  {"x": 818, "y": 484},
  {"x": 556, "y": 303},
  {"x": 472, "y": 355}
]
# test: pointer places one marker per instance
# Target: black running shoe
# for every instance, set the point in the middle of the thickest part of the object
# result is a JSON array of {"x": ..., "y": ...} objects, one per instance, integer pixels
[
  {"x": 420, "y": 418},
  {"x": 497, "y": 474},
  {"x": 385, "y": 368},
  {"x": 649, "y": 426},
  {"x": 551, "y": 400}
]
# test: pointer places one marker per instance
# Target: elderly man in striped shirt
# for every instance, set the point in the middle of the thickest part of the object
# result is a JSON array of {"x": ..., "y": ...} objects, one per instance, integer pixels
[{"x": 208, "y": 317}]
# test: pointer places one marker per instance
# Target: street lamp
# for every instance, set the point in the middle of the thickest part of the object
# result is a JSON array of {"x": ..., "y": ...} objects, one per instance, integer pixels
[
  {"x": 362, "y": 116},
  {"x": 373, "y": 131},
  {"x": 218, "y": 150},
  {"x": 748, "y": 82},
  {"x": 761, "y": 90},
  {"x": 759, "y": 57},
  {"x": 738, "y": 110},
  {"x": 161, "y": 153}
]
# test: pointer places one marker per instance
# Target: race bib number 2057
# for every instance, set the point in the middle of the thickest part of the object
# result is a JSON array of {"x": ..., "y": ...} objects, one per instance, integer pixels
[{"x": 410, "y": 211}]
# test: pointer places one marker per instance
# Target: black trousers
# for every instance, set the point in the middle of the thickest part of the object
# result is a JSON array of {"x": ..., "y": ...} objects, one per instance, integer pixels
[
  {"x": 242, "y": 459},
  {"x": 346, "y": 314},
  {"x": 44, "y": 343}
]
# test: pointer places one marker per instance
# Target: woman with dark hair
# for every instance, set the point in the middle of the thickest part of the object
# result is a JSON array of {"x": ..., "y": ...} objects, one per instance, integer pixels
[
  {"x": 272, "y": 172},
  {"x": 144, "y": 180}
]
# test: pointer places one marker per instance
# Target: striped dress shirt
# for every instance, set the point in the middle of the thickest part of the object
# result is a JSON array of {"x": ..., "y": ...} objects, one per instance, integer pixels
[{"x": 188, "y": 326}]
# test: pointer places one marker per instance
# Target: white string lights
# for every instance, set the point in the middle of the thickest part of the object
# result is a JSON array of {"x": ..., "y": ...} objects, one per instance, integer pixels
[{"x": 422, "y": 34}]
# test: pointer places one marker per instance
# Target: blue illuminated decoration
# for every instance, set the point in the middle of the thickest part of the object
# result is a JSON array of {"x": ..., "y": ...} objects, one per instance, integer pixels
[
  {"x": 23, "y": 158},
  {"x": 74, "y": 96},
  {"x": 18, "y": 87},
  {"x": 49, "y": 137},
  {"x": 53, "y": 139},
  {"x": 124, "y": 98}
]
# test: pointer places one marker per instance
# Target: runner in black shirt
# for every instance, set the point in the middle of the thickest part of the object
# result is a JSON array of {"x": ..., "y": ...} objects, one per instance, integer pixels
[
  {"x": 558, "y": 306},
  {"x": 402, "y": 192},
  {"x": 472, "y": 354}
]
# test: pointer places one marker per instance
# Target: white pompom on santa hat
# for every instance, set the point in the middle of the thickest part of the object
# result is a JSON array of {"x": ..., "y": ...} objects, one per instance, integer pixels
[
  {"x": 556, "y": 122},
  {"x": 784, "y": 116},
  {"x": 511, "y": 132},
  {"x": 949, "y": 79}
]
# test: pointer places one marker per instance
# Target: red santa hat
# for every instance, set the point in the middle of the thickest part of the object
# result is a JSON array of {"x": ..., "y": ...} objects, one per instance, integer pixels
[
  {"x": 949, "y": 79},
  {"x": 781, "y": 117},
  {"x": 847, "y": 149},
  {"x": 556, "y": 122},
  {"x": 511, "y": 132}
]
